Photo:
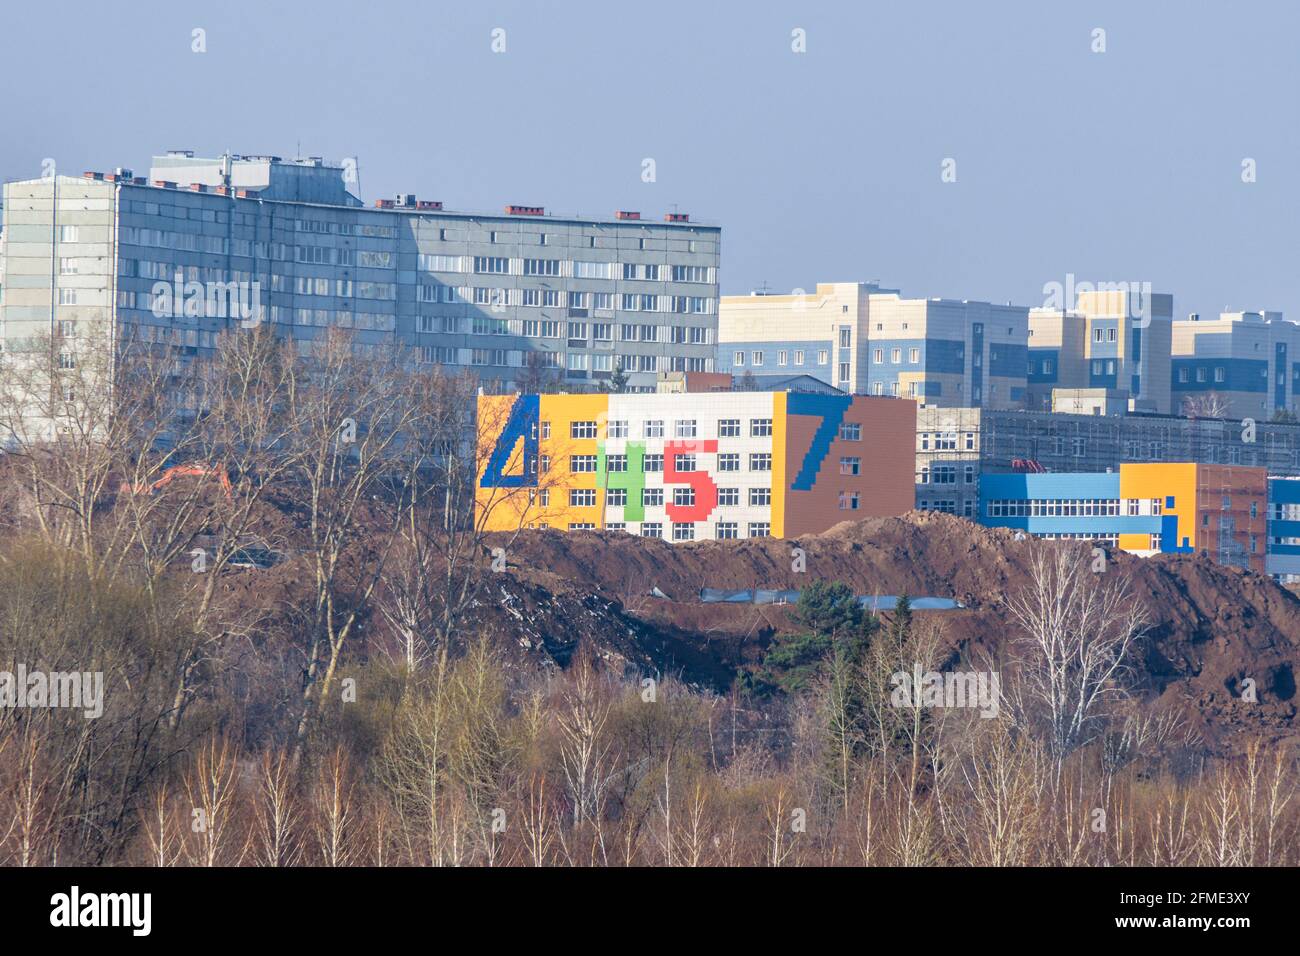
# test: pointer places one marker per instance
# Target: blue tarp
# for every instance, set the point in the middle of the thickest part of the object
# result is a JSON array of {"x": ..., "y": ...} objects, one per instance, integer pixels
[{"x": 873, "y": 602}]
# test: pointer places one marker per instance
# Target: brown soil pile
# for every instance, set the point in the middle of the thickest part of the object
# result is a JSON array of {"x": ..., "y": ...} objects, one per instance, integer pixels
[{"x": 1212, "y": 626}]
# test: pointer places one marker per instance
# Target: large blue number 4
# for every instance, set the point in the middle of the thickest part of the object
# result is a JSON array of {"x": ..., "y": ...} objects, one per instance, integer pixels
[{"x": 523, "y": 422}]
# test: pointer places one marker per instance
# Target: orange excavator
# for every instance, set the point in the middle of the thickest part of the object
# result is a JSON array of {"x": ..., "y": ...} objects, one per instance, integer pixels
[{"x": 168, "y": 476}]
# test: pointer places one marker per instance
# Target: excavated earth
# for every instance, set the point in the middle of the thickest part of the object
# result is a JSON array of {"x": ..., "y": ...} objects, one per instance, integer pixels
[{"x": 636, "y": 601}]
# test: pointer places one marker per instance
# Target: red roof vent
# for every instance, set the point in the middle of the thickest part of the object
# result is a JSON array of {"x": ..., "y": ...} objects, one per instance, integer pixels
[
  {"x": 525, "y": 211},
  {"x": 198, "y": 188},
  {"x": 383, "y": 204},
  {"x": 428, "y": 204},
  {"x": 164, "y": 184},
  {"x": 90, "y": 175},
  {"x": 627, "y": 214},
  {"x": 677, "y": 217}
]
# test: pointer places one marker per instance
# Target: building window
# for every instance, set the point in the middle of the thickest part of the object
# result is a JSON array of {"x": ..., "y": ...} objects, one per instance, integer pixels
[
  {"x": 582, "y": 429},
  {"x": 729, "y": 462},
  {"x": 760, "y": 496},
  {"x": 850, "y": 466},
  {"x": 728, "y": 497},
  {"x": 848, "y": 501},
  {"x": 684, "y": 497},
  {"x": 760, "y": 529},
  {"x": 850, "y": 431},
  {"x": 652, "y": 529},
  {"x": 582, "y": 497},
  {"x": 616, "y": 429},
  {"x": 760, "y": 427},
  {"x": 760, "y": 461},
  {"x": 729, "y": 428},
  {"x": 684, "y": 428},
  {"x": 654, "y": 428},
  {"x": 654, "y": 463},
  {"x": 616, "y": 497},
  {"x": 582, "y": 464},
  {"x": 683, "y": 531},
  {"x": 652, "y": 497},
  {"x": 727, "y": 530}
]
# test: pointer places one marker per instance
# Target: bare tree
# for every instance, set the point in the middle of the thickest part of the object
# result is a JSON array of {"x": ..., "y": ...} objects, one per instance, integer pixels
[
  {"x": 450, "y": 525},
  {"x": 1206, "y": 405},
  {"x": 1077, "y": 628},
  {"x": 349, "y": 413}
]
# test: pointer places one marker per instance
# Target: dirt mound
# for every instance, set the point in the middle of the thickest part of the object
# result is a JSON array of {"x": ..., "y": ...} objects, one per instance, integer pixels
[{"x": 1212, "y": 627}]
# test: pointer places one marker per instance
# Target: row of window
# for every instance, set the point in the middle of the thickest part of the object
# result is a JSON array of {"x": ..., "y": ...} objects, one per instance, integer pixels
[
  {"x": 1221, "y": 374},
  {"x": 1072, "y": 507},
  {"x": 565, "y": 268},
  {"x": 653, "y": 464},
  {"x": 680, "y": 531},
  {"x": 654, "y": 497},
  {"x": 945, "y": 441},
  {"x": 576, "y": 332},
  {"x": 682, "y": 428},
  {"x": 575, "y": 363},
  {"x": 757, "y": 358},
  {"x": 943, "y": 475}
]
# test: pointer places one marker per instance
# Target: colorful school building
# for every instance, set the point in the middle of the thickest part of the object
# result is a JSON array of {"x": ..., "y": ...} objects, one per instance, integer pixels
[
  {"x": 696, "y": 465},
  {"x": 1222, "y": 510}
]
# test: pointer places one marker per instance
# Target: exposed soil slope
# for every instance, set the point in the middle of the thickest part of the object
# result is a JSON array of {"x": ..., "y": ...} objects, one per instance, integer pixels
[{"x": 1212, "y": 626}]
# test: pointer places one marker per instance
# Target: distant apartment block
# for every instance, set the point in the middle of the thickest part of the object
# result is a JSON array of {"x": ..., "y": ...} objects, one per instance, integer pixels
[
  {"x": 1128, "y": 345},
  {"x": 1057, "y": 355},
  {"x": 822, "y": 334},
  {"x": 865, "y": 340},
  {"x": 1240, "y": 365},
  {"x": 1112, "y": 341},
  {"x": 507, "y": 295}
]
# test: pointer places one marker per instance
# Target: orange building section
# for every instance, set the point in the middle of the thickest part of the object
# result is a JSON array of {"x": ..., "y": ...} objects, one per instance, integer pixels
[
  {"x": 883, "y": 454},
  {"x": 1220, "y": 510},
  {"x": 1232, "y": 504}
]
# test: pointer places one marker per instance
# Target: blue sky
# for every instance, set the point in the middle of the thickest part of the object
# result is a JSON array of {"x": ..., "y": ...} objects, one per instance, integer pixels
[{"x": 821, "y": 166}]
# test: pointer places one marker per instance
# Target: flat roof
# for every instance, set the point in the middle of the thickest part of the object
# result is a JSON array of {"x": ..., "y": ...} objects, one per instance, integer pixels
[{"x": 502, "y": 216}]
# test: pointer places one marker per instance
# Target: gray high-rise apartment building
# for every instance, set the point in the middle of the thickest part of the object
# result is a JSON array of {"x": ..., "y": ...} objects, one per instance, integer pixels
[{"x": 518, "y": 295}]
